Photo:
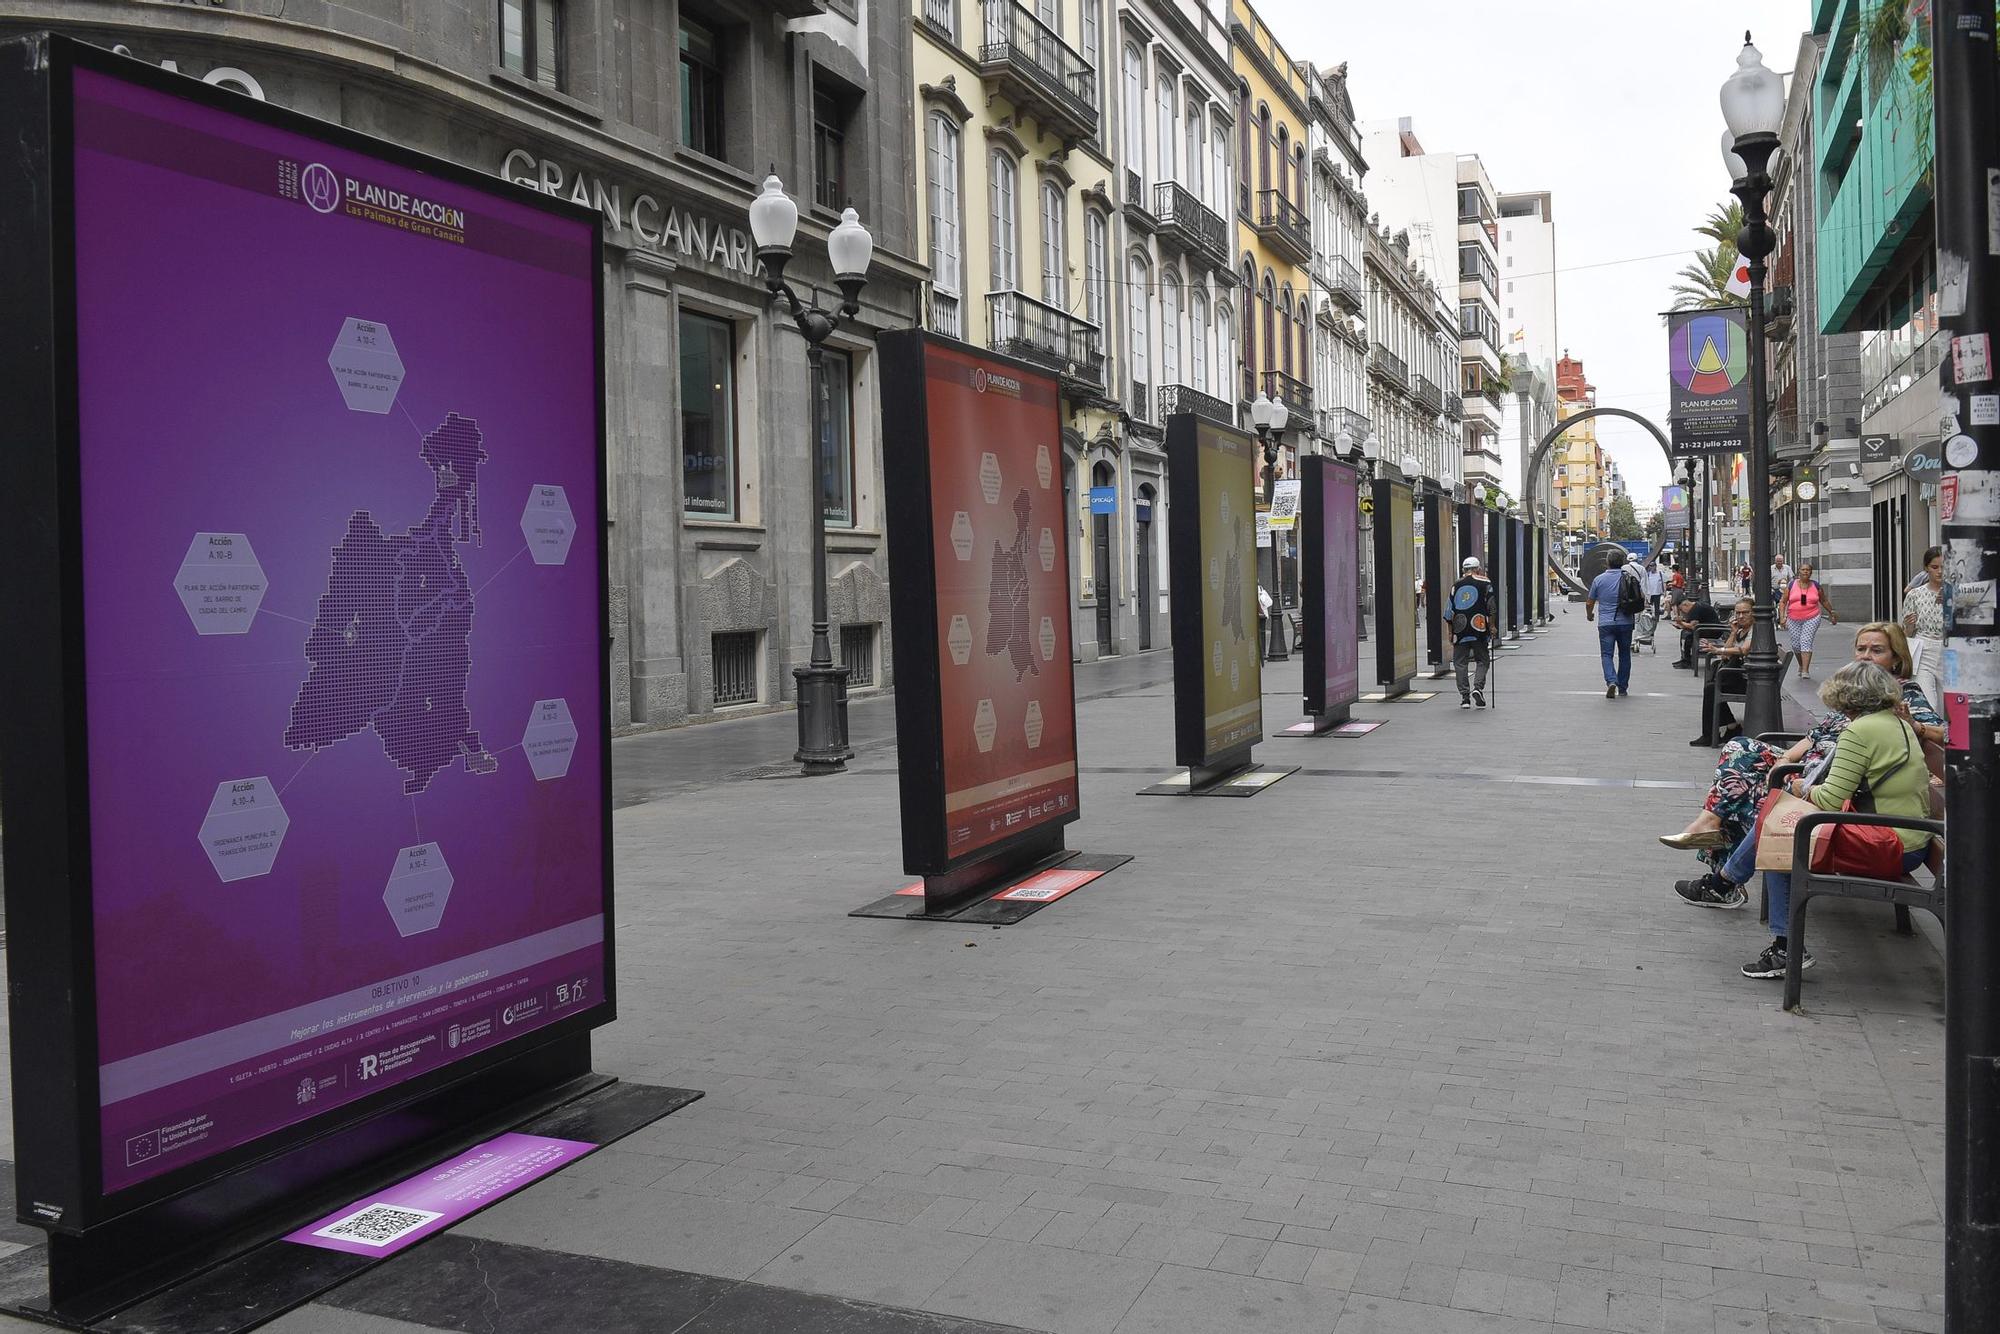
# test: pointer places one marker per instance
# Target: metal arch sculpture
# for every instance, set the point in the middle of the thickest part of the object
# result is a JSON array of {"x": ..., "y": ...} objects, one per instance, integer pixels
[{"x": 1533, "y": 480}]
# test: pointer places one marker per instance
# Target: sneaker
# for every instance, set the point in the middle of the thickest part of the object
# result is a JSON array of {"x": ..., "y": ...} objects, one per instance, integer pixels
[
  {"x": 1712, "y": 891},
  {"x": 1465, "y": 701},
  {"x": 1771, "y": 963},
  {"x": 1610, "y": 692},
  {"x": 1479, "y": 699},
  {"x": 1621, "y": 692}
]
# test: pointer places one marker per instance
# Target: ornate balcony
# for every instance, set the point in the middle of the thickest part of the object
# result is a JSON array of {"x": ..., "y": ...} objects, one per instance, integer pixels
[
  {"x": 1180, "y": 398},
  {"x": 1336, "y": 420},
  {"x": 1032, "y": 330},
  {"x": 1294, "y": 393},
  {"x": 1139, "y": 401},
  {"x": 1428, "y": 395},
  {"x": 1040, "y": 73},
  {"x": 1284, "y": 226},
  {"x": 1386, "y": 365},
  {"x": 1190, "y": 225},
  {"x": 1344, "y": 281},
  {"x": 1454, "y": 407}
]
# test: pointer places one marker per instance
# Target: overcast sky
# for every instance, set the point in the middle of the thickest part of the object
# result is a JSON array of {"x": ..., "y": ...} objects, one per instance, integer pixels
[{"x": 1609, "y": 105}]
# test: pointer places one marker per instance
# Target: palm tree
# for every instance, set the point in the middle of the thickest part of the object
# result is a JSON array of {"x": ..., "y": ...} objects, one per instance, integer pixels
[{"x": 1705, "y": 282}]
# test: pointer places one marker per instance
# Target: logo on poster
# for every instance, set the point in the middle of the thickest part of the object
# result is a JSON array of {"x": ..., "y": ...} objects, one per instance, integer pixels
[
  {"x": 319, "y": 187},
  {"x": 984, "y": 381},
  {"x": 370, "y": 1067}
]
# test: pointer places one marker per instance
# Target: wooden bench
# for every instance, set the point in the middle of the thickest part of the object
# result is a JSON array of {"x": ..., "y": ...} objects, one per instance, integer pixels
[{"x": 1903, "y": 893}]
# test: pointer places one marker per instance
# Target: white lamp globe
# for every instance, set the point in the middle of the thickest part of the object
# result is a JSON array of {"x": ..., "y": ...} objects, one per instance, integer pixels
[
  {"x": 774, "y": 218},
  {"x": 1753, "y": 98},
  {"x": 1280, "y": 414},
  {"x": 1260, "y": 412},
  {"x": 850, "y": 247},
  {"x": 1738, "y": 169}
]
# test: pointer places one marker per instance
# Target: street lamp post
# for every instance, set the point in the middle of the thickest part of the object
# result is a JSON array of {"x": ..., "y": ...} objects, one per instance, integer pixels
[
  {"x": 1753, "y": 104},
  {"x": 1269, "y": 416},
  {"x": 774, "y": 222}
]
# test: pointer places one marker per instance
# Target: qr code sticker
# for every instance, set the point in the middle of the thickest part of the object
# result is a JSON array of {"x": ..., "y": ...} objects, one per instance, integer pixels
[{"x": 377, "y": 1224}]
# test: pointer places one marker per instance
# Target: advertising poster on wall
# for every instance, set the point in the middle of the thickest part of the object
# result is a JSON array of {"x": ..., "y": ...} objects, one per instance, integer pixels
[
  {"x": 1332, "y": 556},
  {"x": 979, "y": 571},
  {"x": 1218, "y": 676},
  {"x": 1395, "y": 583},
  {"x": 338, "y": 464},
  {"x": 1708, "y": 362}
]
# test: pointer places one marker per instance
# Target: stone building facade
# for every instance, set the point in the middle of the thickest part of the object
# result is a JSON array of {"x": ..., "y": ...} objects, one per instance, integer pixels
[{"x": 664, "y": 117}]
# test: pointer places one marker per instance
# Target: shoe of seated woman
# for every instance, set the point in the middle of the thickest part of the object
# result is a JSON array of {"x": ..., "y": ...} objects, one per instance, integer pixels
[{"x": 1694, "y": 840}]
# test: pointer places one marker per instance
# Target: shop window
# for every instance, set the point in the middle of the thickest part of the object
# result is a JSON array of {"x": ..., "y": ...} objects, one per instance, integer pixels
[
  {"x": 701, "y": 88},
  {"x": 833, "y": 399},
  {"x": 708, "y": 416},
  {"x": 531, "y": 35}
]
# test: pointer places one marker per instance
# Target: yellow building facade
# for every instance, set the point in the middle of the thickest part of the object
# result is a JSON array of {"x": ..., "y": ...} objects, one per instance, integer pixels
[{"x": 1273, "y": 227}]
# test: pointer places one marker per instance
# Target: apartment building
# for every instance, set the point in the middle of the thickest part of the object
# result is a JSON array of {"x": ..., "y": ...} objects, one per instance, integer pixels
[{"x": 1339, "y": 210}]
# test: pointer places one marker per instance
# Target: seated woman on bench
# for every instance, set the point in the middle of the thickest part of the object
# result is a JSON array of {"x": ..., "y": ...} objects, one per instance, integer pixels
[
  {"x": 1740, "y": 783},
  {"x": 1729, "y": 653}
]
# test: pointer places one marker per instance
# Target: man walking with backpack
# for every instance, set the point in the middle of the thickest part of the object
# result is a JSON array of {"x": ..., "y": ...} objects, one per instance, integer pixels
[
  {"x": 1616, "y": 599},
  {"x": 1473, "y": 617}
]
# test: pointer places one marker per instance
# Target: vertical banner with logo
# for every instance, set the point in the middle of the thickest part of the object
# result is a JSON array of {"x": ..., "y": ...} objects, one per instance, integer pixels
[
  {"x": 1395, "y": 585},
  {"x": 310, "y": 801},
  {"x": 1674, "y": 510},
  {"x": 979, "y": 587},
  {"x": 1440, "y": 573},
  {"x": 1708, "y": 361},
  {"x": 1332, "y": 498},
  {"x": 1218, "y": 676}
]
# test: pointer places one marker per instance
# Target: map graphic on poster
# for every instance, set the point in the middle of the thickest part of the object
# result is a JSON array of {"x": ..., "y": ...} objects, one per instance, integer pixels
[
  {"x": 345, "y": 734},
  {"x": 1005, "y": 693}
]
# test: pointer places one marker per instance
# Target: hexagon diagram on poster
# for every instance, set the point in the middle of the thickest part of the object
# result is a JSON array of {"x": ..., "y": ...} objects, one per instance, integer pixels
[{"x": 344, "y": 628}]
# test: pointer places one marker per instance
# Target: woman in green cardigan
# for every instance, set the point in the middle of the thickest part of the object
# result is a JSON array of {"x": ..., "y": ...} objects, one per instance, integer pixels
[{"x": 1877, "y": 749}]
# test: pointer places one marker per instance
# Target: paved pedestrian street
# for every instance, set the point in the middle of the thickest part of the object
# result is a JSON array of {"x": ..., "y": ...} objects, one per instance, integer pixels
[{"x": 1419, "y": 1039}]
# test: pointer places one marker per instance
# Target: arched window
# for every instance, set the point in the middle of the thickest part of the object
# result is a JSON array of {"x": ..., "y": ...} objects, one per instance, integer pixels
[
  {"x": 1218, "y": 168},
  {"x": 1164, "y": 130},
  {"x": 1225, "y": 348},
  {"x": 1002, "y": 224},
  {"x": 1249, "y": 330},
  {"x": 1243, "y": 150},
  {"x": 1195, "y": 150},
  {"x": 1264, "y": 148},
  {"x": 1135, "y": 108},
  {"x": 1055, "y": 268},
  {"x": 1269, "y": 333},
  {"x": 941, "y": 156},
  {"x": 1285, "y": 321},
  {"x": 1301, "y": 317},
  {"x": 1139, "y": 328},
  {"x": 1198, "y": 335},
  {"x": 1299, "y": 173},
  {"x": 1096, "y": 267},
  {"x": 1170, "y": 328},
  {"x": 1284, "y": 160}
]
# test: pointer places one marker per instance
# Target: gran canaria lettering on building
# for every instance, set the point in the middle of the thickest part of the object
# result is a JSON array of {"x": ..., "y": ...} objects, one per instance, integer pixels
[{"x": 671, "y": 229}]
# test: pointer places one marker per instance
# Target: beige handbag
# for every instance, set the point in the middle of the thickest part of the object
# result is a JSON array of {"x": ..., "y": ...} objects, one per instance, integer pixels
[{"x": 1777, "y": 824}]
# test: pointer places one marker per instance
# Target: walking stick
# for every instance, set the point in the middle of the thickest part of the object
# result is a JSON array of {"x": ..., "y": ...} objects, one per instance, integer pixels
[{"x": 1493, "y": 676}]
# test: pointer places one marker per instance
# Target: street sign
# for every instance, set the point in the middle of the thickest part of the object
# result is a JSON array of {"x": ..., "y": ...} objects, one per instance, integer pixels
[
  {"x": 1103, "y": 500},
  {"x": 1880, "y": 448}
]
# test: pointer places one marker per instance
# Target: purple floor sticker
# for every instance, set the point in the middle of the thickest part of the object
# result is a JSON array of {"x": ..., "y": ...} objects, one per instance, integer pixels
[{"x": 431, "y": 1201}]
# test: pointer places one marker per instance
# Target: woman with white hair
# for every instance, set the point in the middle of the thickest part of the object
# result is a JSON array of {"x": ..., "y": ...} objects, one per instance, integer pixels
[{"x": 1878, "y": 754}]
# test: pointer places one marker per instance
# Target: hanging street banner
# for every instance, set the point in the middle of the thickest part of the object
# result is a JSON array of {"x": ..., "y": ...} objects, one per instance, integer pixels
[
  {"x": 1674, "y": 508},
  {"x": 1708, "y": 362}
]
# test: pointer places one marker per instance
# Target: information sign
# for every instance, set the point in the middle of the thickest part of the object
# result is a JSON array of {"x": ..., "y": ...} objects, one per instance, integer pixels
[
  {"x": 1331, "y": 570},
  {"x": 328, "y": 528},
  {"x": 979, "y": 577},
  {"x": 1218, "y": 680},
  {"x": 1285, "y": 504}
]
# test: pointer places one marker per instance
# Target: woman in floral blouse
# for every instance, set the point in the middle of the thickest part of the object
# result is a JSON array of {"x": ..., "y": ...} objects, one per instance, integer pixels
[
  {"x": 1923, "y": 621},
  {"x": 1741, "y": 776}
]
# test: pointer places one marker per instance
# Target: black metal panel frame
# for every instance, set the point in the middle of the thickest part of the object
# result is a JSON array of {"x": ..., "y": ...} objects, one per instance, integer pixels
[
  {"x": 1387, "y": 634},
  {"x": 906, "y": 455},
  {"x": 1318, "y": 603},
  {"x": 1186, "y": 564},
  {"x": 1516, "y": 595},
  {"x": 1439, "y": 574},
  {"x": 45, "y": 787}
]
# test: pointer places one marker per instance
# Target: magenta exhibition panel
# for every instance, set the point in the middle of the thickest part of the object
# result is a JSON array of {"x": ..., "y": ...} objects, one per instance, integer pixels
[{"x": 325, "y": 812}]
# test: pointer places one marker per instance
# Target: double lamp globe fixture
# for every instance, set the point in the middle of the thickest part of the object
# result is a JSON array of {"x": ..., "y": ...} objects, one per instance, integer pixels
[
  {"x": 774, "y": 224},
  {"x": 1270, "y": 415}
]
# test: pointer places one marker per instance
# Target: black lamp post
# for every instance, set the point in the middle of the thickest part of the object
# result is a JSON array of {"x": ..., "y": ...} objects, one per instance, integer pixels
[
  {"x": 1269, "y": 416},
  {"x": 1753, "y": 103},
  {"x": 774, "y": 221}
]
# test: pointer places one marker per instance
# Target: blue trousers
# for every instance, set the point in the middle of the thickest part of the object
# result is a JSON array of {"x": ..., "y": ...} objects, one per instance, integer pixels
[
  {"x": 1742, "y": 864},
  {"x": 1618, "y": 637}
]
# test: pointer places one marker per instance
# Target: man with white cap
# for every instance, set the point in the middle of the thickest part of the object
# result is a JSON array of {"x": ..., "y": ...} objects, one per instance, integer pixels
[{"x": 1473, "y": 617}]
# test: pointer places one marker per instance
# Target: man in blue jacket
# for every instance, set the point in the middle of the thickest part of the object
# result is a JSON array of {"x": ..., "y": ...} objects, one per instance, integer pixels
[{"x": 1615, "y": 608}]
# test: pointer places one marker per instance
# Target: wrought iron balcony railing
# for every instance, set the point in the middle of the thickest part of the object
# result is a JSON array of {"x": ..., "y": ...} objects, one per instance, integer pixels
[
  {"x": 1036, "y": 331},
  {"x": 1284, "y": 225},
  {"x": 1428, "y": 395},
  {"x": 1454, "y": 407},
  {"x": 1294, "y": 393},
  {"x": 1356, "y": 424},
  {"x": 1345, "y": 283},
  {"x": 1037, "y": 70},
  {"x": 1181, "y": 398},
  {"x": 1139, "y": 400},
  {"x": 1190, "y": 224},
  {"x": 1386, "y": 364}
]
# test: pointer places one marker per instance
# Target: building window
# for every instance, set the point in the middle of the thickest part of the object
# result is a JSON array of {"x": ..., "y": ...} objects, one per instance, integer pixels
[
  {"x": 1192, "y": 146},
  {"x": 857, "y": 654},
  {"x": 531, "y": 40},
  {"x": 701, "y": 88},
  {"x": 1091, "y": 54},
  {"x": 1198, "y": 341},
  {"x": 1285, "y": 319},
  {"x": 1225, "y": 349},
  {"x": 1218, "y": 168},
  {"x": 833, "y": 399},
  {"x": 733, "y": 665},
  {"x": 1170, "y": 329},
  {"x": 1164, "y": 136},
  {"x": 1134, "y": 109},
  {"x": 941, "y": 154},
  {"x": 1284, "y": 157},
  {"x": 1264, "y": 148},
  {"x": 1139, "y": 328},
  {"x": 1096, "y": 267},
  {"x": 708, "y": 416},
  {"x": 829, "y": 151},
  {"x": 1055, "y": 265},
  {"x": 1002, "y": 223}
]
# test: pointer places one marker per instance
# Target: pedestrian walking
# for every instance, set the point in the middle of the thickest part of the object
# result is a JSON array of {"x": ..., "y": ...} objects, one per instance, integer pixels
[
  {"x": 1615, "y": 601},
  {"x": 1472, "y": 615},
  {"x": 1923, "y": 622},
  {"x": 1656, "y": 586},
  {"x": 1806, "y": 605},
  {"x": 1743, "y": 575},
  {"x": 1781, "y": 574}
]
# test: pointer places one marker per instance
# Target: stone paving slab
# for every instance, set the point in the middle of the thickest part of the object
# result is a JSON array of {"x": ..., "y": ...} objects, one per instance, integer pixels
[{"x": 1410, "y": 1053}]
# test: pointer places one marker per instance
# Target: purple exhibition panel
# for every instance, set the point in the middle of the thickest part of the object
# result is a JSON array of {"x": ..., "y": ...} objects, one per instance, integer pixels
[
  {"x": 434, "y": 1200},
  {"x": 339, "y": 473},
  {"x": 1339, "y": 554}
]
